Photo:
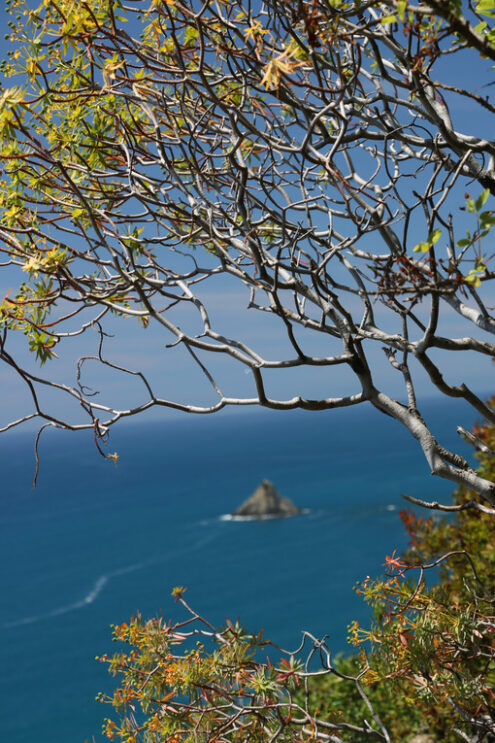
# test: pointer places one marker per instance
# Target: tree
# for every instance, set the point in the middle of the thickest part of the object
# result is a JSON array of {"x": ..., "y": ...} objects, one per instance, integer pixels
[
  {"x": 307, "y": 151},
  {"x": 312, "y": 153},
  {"x": 426, "y": 666}
]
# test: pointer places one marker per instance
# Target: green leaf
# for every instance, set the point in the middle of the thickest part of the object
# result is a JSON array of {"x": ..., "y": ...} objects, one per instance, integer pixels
[
  {"x": 191, "y": 34},
  {"x": 462, "y": 243},
  {"x": 388, "y": 19},
  {"x": 434, "y": 236},
  {"x": 401, "y": 9},
  {"x": 473, "y": 278},
  {"x": 480, "y": 27},
  {"x": 482, "y": 199},
  {"x": 486, "y": 7},
  {"x": 422, "y": 247}
]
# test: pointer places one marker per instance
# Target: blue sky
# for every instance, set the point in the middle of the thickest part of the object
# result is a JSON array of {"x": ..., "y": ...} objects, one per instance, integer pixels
[{"x": 175, "y": 377}]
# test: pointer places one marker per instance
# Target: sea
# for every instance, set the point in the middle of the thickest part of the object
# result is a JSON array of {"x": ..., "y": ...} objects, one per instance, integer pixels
[{"x": 95, "y": 543}]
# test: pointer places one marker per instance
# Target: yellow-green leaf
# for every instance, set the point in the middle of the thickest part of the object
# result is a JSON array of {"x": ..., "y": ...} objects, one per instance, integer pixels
[{"x": 388, "y": 19}]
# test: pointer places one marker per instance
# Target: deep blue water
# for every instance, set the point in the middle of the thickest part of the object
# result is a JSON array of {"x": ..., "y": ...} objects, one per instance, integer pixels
[{"x": 95, "y": 543}]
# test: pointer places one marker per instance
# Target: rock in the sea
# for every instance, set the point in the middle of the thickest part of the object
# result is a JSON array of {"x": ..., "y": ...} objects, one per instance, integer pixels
[{"x": 265, "y": 501}]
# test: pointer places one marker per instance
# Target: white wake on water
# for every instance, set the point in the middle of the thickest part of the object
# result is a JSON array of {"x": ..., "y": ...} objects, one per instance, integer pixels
[
  {"x": 265, "y": 517},
  {"x": 88, "y": 599},
  {"x": 100, "y": 584}
]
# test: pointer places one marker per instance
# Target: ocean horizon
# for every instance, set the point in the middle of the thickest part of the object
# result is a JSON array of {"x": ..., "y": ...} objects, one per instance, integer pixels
[{"x": 95, "y": 543}]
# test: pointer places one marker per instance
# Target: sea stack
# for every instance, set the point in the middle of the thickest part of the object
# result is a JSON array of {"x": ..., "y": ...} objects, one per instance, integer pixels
[{"x": 266, "y": 502}]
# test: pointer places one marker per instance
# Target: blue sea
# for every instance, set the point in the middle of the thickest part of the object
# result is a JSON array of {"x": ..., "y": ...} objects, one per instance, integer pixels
[{"x": 95, "y": 543}]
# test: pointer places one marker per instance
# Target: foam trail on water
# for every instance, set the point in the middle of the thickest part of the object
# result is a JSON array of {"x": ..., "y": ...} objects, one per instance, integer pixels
[
  {"x": 88, "y": 599},
  {"x": 265, "y": 517},
  {"x": 100, "y": 584},
  {"x": 98, "y": 587}
]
